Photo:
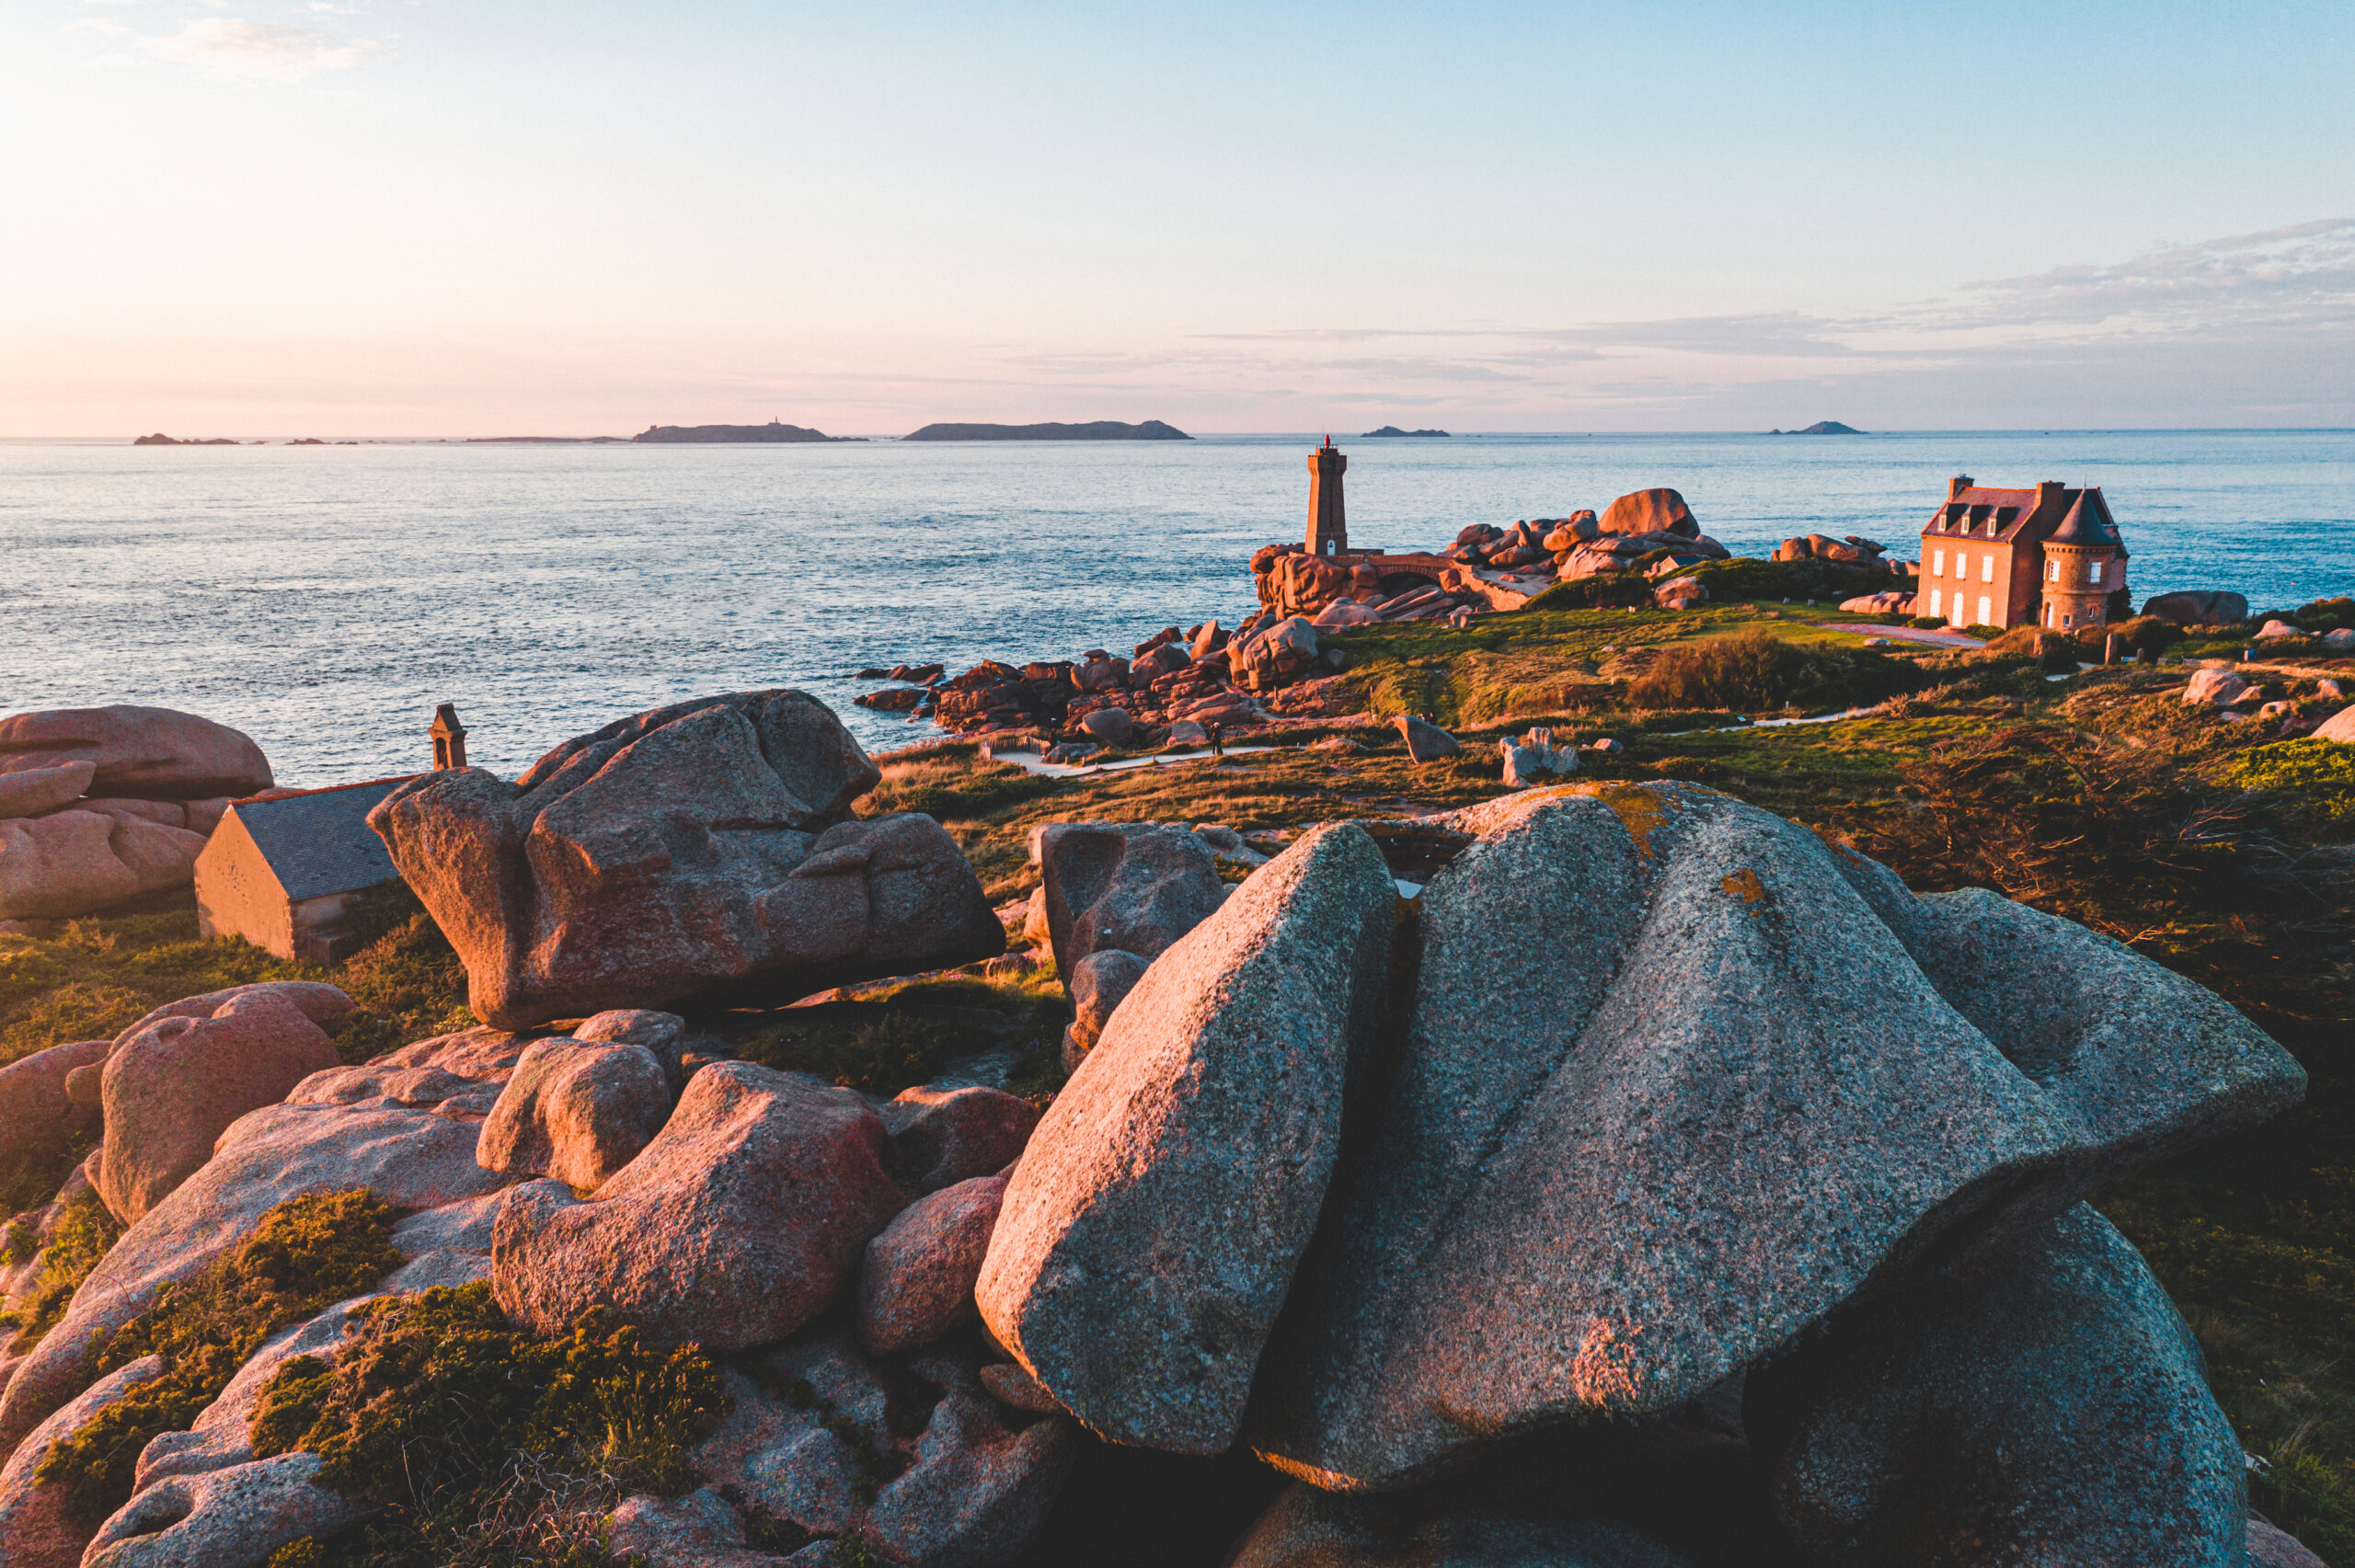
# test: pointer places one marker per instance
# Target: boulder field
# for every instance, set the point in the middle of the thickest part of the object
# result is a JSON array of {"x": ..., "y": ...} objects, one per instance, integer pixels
[{"x": 1771, "y": 1180}]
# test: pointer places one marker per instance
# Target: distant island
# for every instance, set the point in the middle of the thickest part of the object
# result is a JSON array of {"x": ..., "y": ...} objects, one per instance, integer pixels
[
  {"x": 159, "y": 439},
  {"x": 1101, "y": 430},
  {"x": 775, "y": 430},
  {"x": 1821, "y": 427},
  {"x": 1394, "y": 430},
  {"x": 568, "y": 440}
]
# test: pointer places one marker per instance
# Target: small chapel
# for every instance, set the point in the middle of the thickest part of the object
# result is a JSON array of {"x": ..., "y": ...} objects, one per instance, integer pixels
[{"x": 2050, "y": 557}]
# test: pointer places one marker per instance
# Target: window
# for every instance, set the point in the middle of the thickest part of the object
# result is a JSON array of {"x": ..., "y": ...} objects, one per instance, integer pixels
[
  {"x": 1937, "y": 563},
  {"x": 1962, "y": 564},
  {"x": 2093, "y": 573},
  {"x": 1986, "y": 568},
  {"x": 1935, "y": 608},
  {"x": 2053, "y": 573},
  {"x": 1986, "y": 610},
  {"x": 2066, "y": 619}
]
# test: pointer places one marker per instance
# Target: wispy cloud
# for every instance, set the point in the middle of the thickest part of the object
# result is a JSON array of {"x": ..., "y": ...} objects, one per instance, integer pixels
[{"x": 258, "y": 51}]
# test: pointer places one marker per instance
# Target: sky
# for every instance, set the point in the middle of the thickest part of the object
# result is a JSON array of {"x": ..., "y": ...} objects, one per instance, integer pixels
[{"x": 347, "y": 218}]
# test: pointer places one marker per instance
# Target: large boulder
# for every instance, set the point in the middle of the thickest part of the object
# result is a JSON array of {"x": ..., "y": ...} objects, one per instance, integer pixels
[
  {"x": 918, "y": 1279},
  {"x": 1649, "y": 511},
  {"x": 174, "y": 1087},
  {"x": 696, "y": 850},
  {"x": 2212, "y": 688},
  {"x": 402, "y": 1128},
  {"x": 37, "y": 1119},
  {"x": 151, "y": 753},
  {"x": 2205, "y": 608},
  {"x": 1137, "y": 887},
  {"x": 225, "y": 1518},
  {"x": 967, "y": 1487},
  {"x": 1150, "y": 1232},
  {"x": 1602, "y": 1185},
  {"x": 2044, "y": 1407},
  {"x": 576, "y": 1111},
  {"x": 77, "y": 863},
  {"x": 740, "y": 1221},
  {"x": 2339, "y": 726},
  {"x": 1426, "y": 743}
]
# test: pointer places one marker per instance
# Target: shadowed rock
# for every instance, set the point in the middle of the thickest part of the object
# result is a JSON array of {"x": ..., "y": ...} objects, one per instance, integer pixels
[
  {"x": 1137, "y": 887},
  {"x": 1151, "y": 1230},
  {"x": 2043, "y": 1407},
  {"x": 1601, "y": 1184},
  {"x": 740, "y": 1222},
  {"x": 1308, "y": 1529},
  {"x": 696, "y": 850},
  {"x": 1099, "y": 983},
  {"x": 918, "y": 1280}
]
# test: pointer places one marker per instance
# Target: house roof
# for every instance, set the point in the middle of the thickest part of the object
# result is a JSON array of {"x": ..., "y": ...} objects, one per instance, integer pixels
[
  {"x": 318, "y": 840},
  {"x": 2089, "y": 522}
]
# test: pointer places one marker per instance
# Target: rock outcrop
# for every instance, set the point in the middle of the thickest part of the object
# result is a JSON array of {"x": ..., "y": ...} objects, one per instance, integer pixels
[
  {"x": 1308, "y": 1529},
  {"x": 695, "y": 851},
  {"x": 917, "y": 1283},
  {"x": 38, "y": 1118},
  {"x": 1136, "y": 886},
  {"x": 1649, "y": 511},
  {"x": 77, "y": 863},
  {"x": 941, "y": 1137},
  {"x": 32, "y": 791},
  {"x": 741, "y": 1220},
  {"x": 1150, "y": 1232},
  {"x": 2045, "y": 1405},
  {"x": 1582, "y": 1198},
  {"x": 1099, "y": 983},
  {"x": 172, "y": 1086},
  {"x": 147, "y": 753},
  {"x": 2203, "y": 607},
  {"x": 1427, "y": 743}
]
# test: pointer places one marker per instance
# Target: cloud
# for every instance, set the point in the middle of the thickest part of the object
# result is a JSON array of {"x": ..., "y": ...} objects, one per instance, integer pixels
[{"x": 258, "y": 51}]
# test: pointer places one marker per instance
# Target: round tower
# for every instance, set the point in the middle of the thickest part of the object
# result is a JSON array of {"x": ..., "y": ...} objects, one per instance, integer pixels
[{"x": 2083, "y": 567}]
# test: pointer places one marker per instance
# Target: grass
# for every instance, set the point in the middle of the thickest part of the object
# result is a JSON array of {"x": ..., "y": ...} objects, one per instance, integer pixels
[
  {"x": 80, "y": 1237},
  {"x": 305, "y": 1254},
  {"x": 475, "y": 1442},
  {"x": 89, "y": 979}
]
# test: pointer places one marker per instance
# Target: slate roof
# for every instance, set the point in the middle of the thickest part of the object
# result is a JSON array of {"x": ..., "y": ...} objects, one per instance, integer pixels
[
  {"x": 318, "y": 840},
  {"x": 2088, "y": 522}
]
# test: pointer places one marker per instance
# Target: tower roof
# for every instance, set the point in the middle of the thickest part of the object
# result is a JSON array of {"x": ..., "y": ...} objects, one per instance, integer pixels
[{"x": 2088, "y": 522}]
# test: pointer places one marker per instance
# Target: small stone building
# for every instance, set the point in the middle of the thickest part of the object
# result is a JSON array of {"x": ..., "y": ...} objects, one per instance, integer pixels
[
  {"x": 2050, "y": 557},
  {"x": 282, "y": 869}
]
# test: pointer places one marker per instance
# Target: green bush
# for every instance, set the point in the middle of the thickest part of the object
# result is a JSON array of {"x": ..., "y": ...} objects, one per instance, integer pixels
[
  {"x": 480, "y": 1442},
  {"x": 307, "y": 1254},
  {"x": 1753, "y": 672},
  {"x": 1928, "y": 623}
]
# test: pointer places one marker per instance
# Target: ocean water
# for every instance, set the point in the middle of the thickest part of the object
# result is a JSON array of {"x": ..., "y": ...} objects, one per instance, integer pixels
[{"x": 324, "y": 598}]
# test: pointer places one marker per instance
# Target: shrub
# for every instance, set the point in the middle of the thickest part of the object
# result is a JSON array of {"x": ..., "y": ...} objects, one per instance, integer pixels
[
  {"x": 467, "y": 1429},
  {"x": 307, "y": 1254},
  {"x": 82, "y": 1234},
  {"x": 2318, "y": 775},
  {"x": 2051, "y": 650},
  {"x": 1928, "y": 623},
  {"x": 953, "y": 788},
  {"x": 1753, "y": 672},
  {"x": 2324, "y": 614}
]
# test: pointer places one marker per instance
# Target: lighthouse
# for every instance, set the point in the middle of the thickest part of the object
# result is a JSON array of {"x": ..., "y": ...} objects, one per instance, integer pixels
[{"x": 1328, "y": 528}]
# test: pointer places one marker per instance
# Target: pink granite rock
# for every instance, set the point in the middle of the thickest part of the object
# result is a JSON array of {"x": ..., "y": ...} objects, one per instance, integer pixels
[
  {"x": 576, "y": 1112},
  {"x": 918, "y": 1280},
  {"x": 35, "y": 790},
  {"x": 37, "y": 1530},
  {"x": 77, "y": 863},
  {"x": 941, "y": 1137},
  {"x": 37, "y": 1114},
  {"x": 172, "y": 1088},
  {"x": 740, "y": 1221},
  {"x": 696, "y": 850},
  {"x": 151, "y": 753}
]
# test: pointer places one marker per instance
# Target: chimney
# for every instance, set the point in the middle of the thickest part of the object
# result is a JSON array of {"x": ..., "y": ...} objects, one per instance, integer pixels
[
  {"x": 1956, "y": 486},
  {"x": 2048, "y": 494},
  {"x": 449, "y": 738}
]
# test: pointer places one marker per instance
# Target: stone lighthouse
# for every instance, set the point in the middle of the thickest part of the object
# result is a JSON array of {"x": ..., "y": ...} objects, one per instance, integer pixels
[{"x": 1329, "y": 528}]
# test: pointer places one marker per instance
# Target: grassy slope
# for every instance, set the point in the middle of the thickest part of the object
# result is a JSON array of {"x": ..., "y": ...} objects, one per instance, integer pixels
[{"x": 2095, "y": 798}]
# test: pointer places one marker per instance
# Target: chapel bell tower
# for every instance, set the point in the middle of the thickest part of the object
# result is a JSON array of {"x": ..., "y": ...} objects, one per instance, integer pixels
[{"x": 1329, "y": 528}]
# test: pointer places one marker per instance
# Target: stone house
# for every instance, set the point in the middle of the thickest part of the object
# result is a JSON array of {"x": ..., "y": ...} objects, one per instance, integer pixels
[
  {"x": 282, "y": 870},
  {"x": 2050, "y": 557}
]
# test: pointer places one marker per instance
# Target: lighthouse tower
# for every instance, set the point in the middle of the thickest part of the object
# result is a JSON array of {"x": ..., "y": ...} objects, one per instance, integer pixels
[{"x": 1328, "y": 528}]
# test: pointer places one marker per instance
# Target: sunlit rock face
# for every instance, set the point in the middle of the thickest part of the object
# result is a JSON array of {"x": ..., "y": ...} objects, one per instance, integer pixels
[{"x": 1748, "y": 1079}]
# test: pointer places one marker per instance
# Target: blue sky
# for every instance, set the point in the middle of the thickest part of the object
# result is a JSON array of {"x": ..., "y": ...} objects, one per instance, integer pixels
[{"x": 384, "y": 217}]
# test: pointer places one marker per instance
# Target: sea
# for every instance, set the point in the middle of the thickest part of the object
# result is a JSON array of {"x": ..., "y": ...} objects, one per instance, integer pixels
[{"x": 324, "y": 598}]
